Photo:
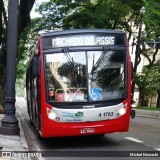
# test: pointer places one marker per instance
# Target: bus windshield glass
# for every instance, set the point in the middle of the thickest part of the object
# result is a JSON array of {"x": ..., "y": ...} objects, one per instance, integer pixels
[{"x": 85, "y": 76}]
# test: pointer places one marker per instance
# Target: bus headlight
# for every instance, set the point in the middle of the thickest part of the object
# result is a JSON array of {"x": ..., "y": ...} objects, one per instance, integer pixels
[
  {"x": 52, "y": 115},
  {"x": 122, "y": 111}
]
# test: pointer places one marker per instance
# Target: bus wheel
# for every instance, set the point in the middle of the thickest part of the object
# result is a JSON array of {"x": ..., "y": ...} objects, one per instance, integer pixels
[
  {"x": 39, "y": 135},
  {"x": 31, "y": 122},
  {"x": 133, "y": 113},
  {"x": 101, "y": 135}
]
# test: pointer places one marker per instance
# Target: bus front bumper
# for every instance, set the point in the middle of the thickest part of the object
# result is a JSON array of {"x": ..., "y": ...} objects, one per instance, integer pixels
[{"x": 61, "y": 129}]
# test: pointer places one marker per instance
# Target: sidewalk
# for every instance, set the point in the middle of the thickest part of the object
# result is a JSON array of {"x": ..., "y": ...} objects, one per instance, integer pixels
[
  {"x": 13, "y": 143},
  {"x": 148, "y": 113}
]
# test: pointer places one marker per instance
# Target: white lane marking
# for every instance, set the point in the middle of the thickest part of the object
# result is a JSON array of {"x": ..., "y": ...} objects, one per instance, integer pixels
[
  {"x": 139, "y": 141},
  {"x": 157, "y": 148},
  {"x": 134, "y": 139}
]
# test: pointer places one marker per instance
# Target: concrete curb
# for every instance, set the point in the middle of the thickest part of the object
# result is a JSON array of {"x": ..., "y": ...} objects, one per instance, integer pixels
[
  {"x": 22, "y": 136},
  {"x": 148, "y": 114},
  {"x": 23, "y": 139}
]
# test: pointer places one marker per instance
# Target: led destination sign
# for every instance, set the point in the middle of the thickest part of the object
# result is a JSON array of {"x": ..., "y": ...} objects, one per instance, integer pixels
[{"x": 83, "y": 40}]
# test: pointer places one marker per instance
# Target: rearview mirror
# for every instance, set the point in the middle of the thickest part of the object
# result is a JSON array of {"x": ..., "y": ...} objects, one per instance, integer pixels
[{"x": 35, "y": 66}]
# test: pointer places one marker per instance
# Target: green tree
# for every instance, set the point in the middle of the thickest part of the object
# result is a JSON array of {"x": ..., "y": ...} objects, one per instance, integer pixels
[
  {"x": 63, "y": 14},
  {"x": 148, "y": 82},
  {"x": 20, "y": 87},
  {"x": 66, "y": 14},
  {"x": 152, "y": 25}
]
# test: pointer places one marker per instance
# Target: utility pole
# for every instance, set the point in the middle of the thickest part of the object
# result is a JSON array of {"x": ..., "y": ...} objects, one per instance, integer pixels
[{"x": 10, "y": 124}]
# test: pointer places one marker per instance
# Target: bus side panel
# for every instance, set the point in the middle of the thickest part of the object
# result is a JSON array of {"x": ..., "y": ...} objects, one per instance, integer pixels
[
  {"x": 129, "y": 76},
  {"x": 42, "y": 89}
]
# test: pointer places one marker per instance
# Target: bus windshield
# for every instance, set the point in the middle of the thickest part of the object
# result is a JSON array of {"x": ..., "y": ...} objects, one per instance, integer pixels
[{"x": 85, "y": 76}]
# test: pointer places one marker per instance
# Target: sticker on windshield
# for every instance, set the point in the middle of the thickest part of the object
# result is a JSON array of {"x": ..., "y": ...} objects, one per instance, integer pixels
[{"x": 95, "y": 94}]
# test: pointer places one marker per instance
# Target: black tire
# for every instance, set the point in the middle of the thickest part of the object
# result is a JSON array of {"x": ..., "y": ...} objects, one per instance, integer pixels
[
  {"x": 133, "y": 113},
  {"x": 31, "y": 122}
]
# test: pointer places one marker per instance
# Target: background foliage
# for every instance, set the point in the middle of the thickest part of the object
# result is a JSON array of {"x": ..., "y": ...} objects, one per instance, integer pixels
[{"x": 66, "y": 14}]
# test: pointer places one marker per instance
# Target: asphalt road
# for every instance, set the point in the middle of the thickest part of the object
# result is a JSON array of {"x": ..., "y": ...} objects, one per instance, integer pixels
[{"x": 143, "y": 136}]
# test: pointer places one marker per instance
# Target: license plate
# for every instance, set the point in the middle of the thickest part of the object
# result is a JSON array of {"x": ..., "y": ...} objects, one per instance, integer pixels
[{"x": 87, "y": 131}]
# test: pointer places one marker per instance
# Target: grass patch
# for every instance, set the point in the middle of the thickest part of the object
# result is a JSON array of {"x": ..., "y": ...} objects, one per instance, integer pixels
[{"x": 149, "y": 108}]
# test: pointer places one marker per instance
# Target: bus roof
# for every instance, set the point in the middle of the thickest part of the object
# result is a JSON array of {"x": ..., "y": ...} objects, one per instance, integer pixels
[{"x": 84, "y": 31}]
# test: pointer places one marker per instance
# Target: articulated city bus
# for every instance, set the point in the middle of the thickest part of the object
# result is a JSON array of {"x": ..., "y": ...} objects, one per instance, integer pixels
[{"x": 79, "y": 83}]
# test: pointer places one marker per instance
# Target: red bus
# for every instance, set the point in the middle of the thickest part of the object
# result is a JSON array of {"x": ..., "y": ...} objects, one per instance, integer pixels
[{"x": 78, "y": 82}]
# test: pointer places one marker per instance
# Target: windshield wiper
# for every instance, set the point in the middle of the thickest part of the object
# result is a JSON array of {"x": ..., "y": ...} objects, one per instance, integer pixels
[
  {"x": 95, "y": 66},
  {"x": 72, "y": 63}
]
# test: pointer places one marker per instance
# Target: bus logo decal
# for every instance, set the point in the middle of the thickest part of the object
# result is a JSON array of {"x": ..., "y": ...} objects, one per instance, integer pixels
[
  {"x": 79, "y": 114},
  {"x": 73, "y": 115}
]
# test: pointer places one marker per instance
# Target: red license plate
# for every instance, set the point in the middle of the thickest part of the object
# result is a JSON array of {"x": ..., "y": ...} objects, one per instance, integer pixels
[{"x": 87, "y": 131}]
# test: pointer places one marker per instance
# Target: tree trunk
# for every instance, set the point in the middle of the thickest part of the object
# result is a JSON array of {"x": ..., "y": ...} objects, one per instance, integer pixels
[{"x": 141, "y": 98}]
